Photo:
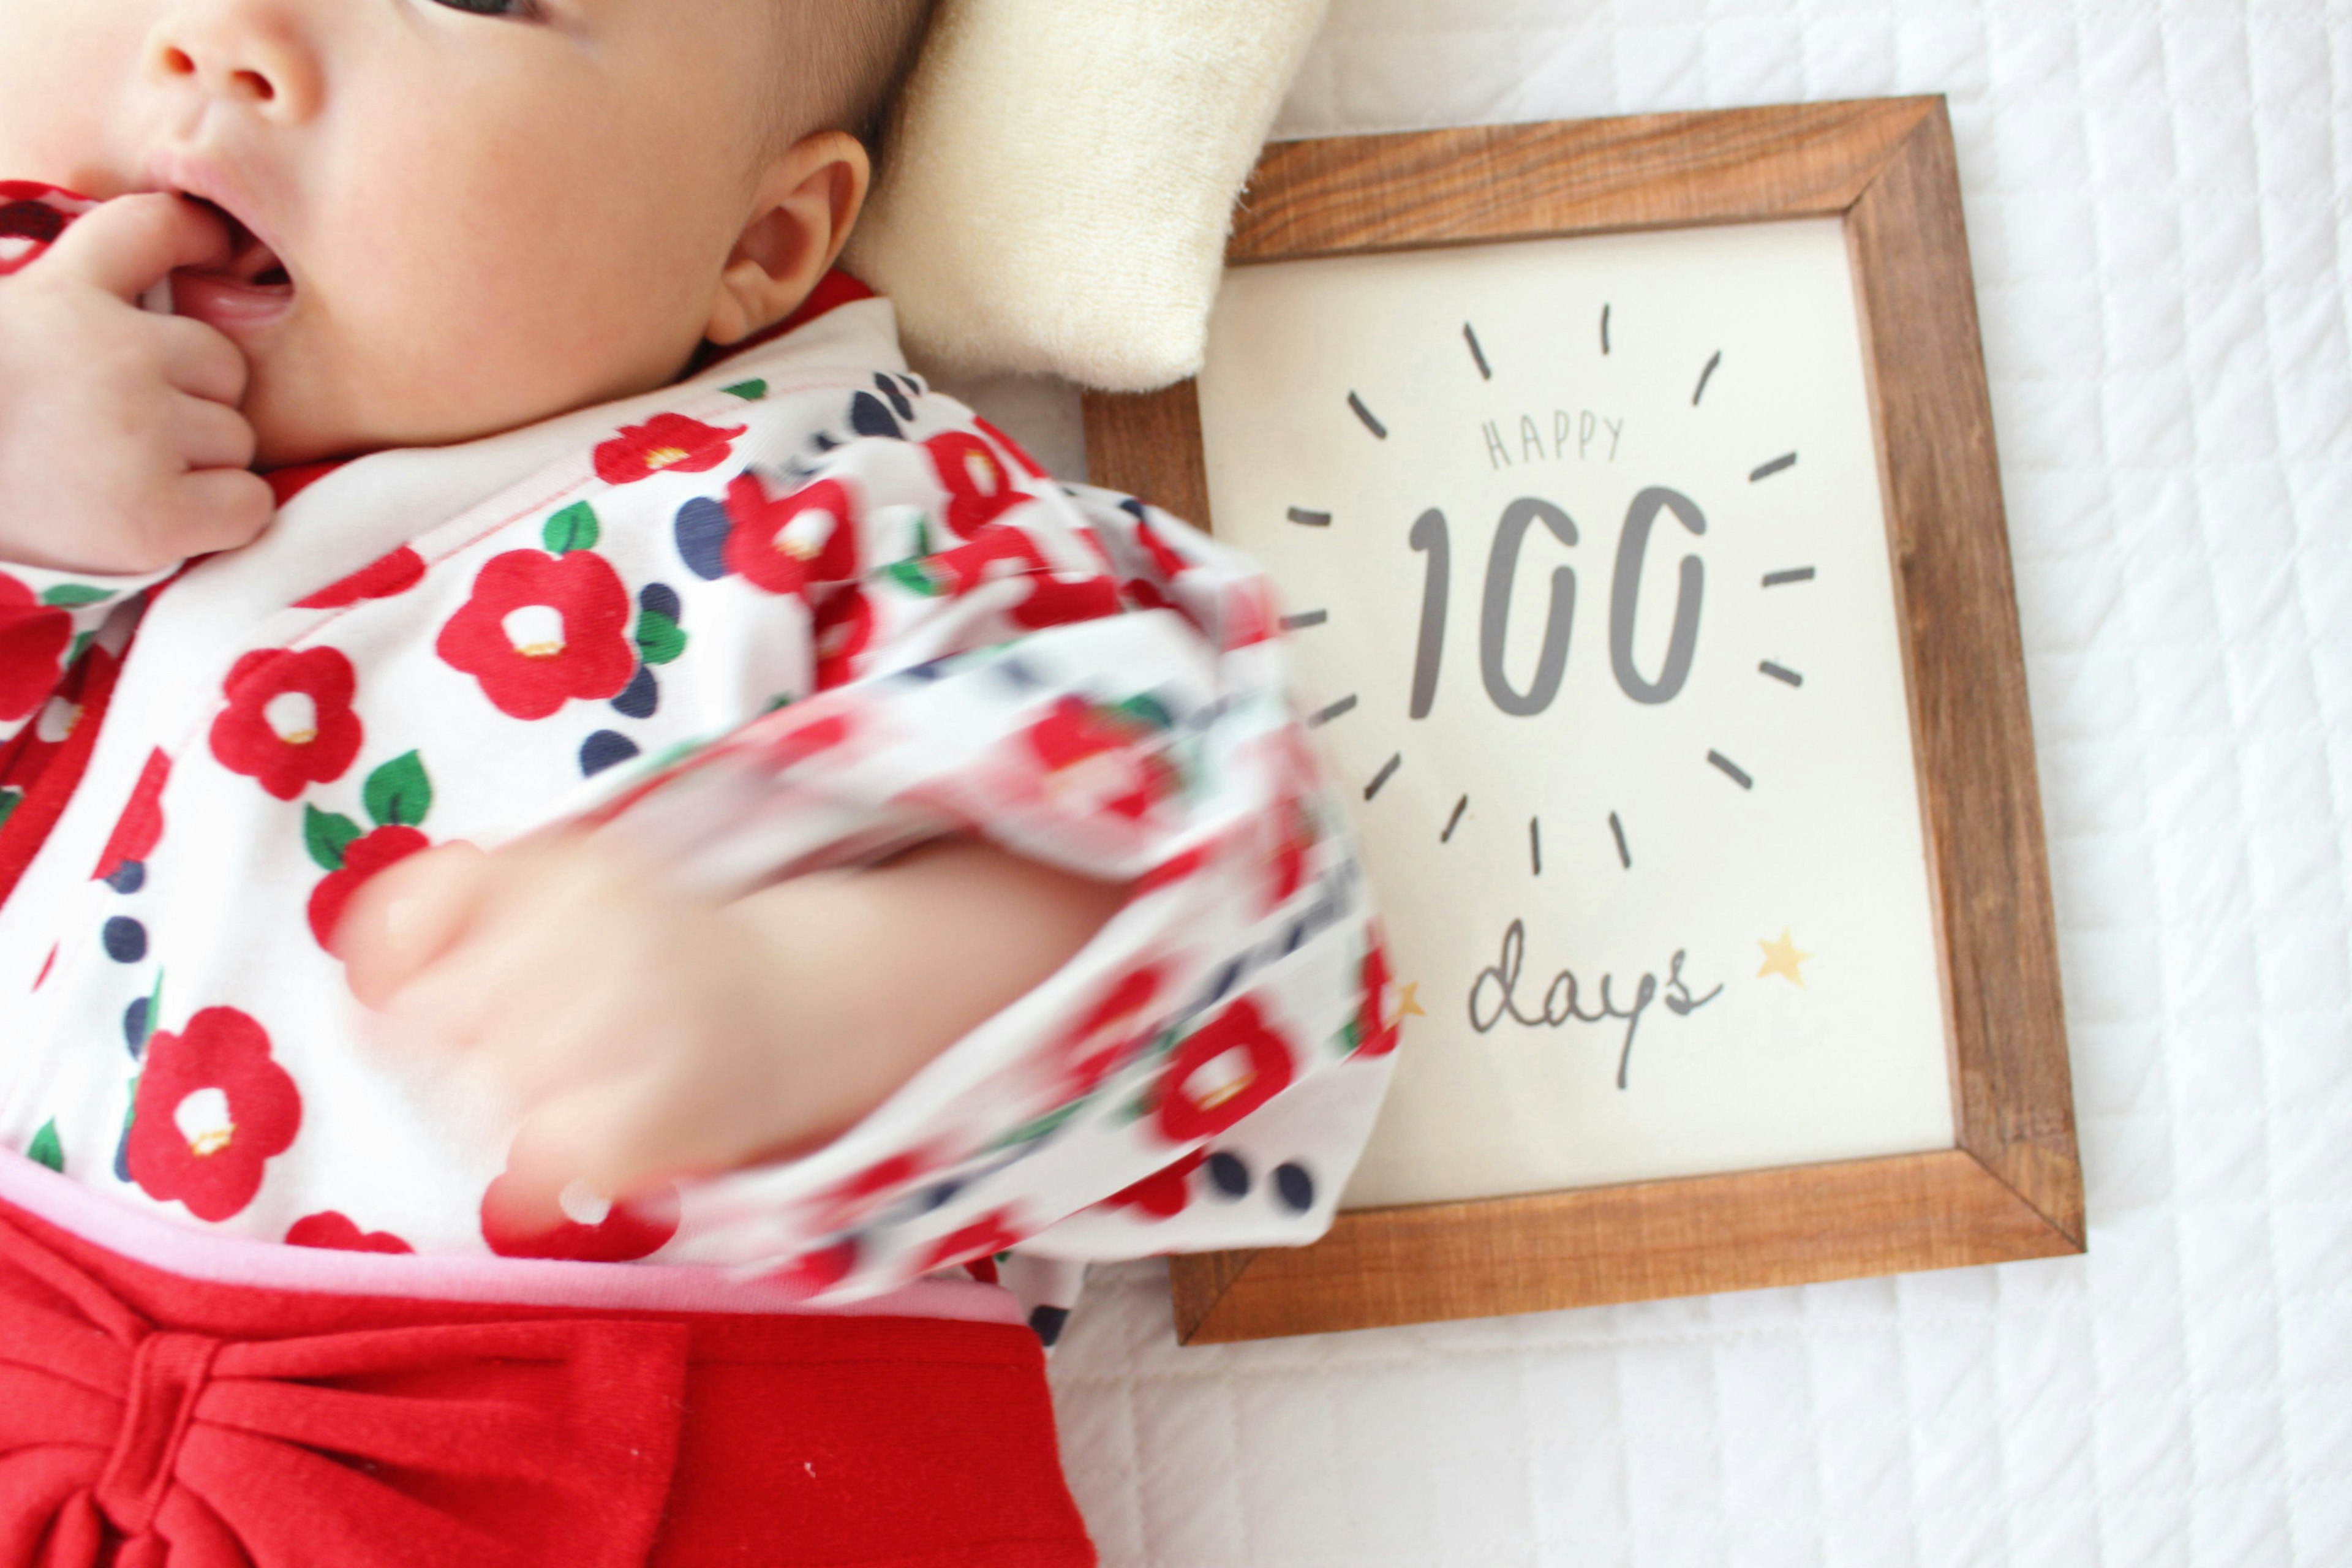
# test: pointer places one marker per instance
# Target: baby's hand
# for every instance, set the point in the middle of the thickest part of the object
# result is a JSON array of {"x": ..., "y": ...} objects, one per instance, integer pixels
[
  {"x": 644, "y": 1037},
  {"x": 639, "y": 1034},
  {"x": 122, "y": 449}
]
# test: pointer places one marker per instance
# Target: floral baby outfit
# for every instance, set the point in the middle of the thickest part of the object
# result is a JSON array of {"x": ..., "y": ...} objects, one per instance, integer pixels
[{"x": 797, "y": 610}]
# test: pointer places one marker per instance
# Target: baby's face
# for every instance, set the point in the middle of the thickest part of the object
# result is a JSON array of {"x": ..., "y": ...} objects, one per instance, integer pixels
[{"x": 455, "y": 216}]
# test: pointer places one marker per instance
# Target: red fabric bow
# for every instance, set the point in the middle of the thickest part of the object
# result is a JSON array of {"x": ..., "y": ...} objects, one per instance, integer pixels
[{"x": 123, "y": 1445}]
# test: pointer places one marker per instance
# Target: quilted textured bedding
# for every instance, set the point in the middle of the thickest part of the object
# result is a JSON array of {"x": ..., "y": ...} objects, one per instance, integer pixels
[{"x": 2159, "y": 197}]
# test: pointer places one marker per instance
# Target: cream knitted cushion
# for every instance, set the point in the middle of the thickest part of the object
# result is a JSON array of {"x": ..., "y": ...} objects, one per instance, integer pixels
[{"x": 1062, "y": 177}]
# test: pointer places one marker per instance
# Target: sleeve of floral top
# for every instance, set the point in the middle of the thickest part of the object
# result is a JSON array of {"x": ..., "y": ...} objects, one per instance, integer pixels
[{"x": 1089, "y": 682}]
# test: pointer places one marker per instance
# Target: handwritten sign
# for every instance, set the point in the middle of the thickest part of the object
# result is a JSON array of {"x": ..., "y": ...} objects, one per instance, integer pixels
[{"x": 1583, "y": 549}]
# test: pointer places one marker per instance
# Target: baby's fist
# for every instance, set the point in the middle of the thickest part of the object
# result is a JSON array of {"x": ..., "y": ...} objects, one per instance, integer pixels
[
  {"x": 632, "y": 1031},
  {"x": 122, "y": 449}
]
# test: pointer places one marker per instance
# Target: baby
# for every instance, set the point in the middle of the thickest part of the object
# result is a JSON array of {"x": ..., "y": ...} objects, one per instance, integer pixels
[{"x": 512, "y": 457}]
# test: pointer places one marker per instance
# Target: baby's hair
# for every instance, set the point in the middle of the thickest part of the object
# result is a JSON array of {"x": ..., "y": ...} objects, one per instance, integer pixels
[{"x": 857, "y": 54}]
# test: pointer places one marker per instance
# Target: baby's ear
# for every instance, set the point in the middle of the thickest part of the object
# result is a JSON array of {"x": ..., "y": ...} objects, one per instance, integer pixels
[{"x": 806, "y": 204}]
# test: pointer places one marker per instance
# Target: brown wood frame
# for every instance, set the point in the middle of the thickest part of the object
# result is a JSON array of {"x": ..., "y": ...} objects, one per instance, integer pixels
[{"x": 2012, "y": 1187}]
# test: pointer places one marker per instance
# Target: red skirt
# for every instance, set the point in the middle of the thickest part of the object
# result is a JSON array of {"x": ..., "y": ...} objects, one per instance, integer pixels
[{"x": 148, "y": 1420}]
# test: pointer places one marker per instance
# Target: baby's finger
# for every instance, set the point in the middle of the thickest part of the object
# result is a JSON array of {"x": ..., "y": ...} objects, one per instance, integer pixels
[
  {"x": 201, "y": 361},
  {"x": 217, "y": 508},
  {"x": 128, "y": 245},
  {"x": 409, "y": 918},
  {"x": 213, "y": 435},
  {"x": 600, "y": 1138}
]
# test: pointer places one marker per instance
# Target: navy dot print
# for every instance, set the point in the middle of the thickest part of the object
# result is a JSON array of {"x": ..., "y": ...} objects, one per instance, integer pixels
[
  {"x": 605, "y": 749},
  {"x": 134, "y": 1028},
  {"x": 128, "y": 877},
  {"x": 125, "y": 940},
  {"x": 1047, "y": 1323},
  {"x": 1295, "y": 1187},
  {"x": 702, "y": 529},
  {"x": 868, "y": 417},
  {"x": 1229, "y": 1175},
  {"x": 661, "y": 599},
  {"x": 643, "y": 698},
  {"x": 906, "y": 410}
]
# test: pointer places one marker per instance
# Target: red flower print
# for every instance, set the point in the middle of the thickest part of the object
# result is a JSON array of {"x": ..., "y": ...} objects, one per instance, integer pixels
[
  {"x": 140, "y": 827},
  {"x": 289, "y": 722},
  {"x": 543, "y": 630},
  {"x": 34, "y": 638},
  {"x": 1066, "y": 601},
  {"x": 1011, "y": 448},
  {"x": 1221, "y": 1073},
  {"x": 1093, "y": 762},
  {"x": 845, "y": 1201},
  {"x": 213, "y": 1108},
  {"x": 981, "y": 1238},
  {"x": 992, "y": 552},
  {"x": 389, "y": 578},
  {"x": 364, "y": 859},
  {"x": 1376, "y": 1033},
  {"x": 813, "y": 738},
  {"x": 622, "y": 1233},
  {"x": 667, "y": 443},
  {"x": 1163, "y": 1194},
  {"x": 980, "y": 487},
  {"x": 1093, "y": 1049},
  {"x": 337, "y": 1233},
  {"x": 790, "y": 545},
  {"x": 814, "y": 1273},
  {"x": 844, "y": 630}
]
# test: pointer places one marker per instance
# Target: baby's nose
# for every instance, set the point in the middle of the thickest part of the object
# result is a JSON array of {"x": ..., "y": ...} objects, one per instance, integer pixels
[{"x": 248, "y": 52}]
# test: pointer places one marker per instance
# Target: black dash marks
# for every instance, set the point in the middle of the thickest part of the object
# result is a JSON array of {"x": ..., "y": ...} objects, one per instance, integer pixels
[
  {"x": 1731, "y": 770},
  {"x": 1781, "y": 672},
  {"x": 1305, "y": 519},
  {"x": 1453, "y": 821},
  {"x": 1364, "y": 413},
  {"x": 1624, "y": 853},
  {"x": 1304, "y": 620},
  {"x": 1782, "y": 579},
  {"x": 1470, "y": 336},
  {"x": 1535, "y": 844},
  {"x": 1604, "y": 329},
  {"x": 1381, "y": 779},
  {"x": 1339, "y": 709},
  {"x": 1706, "y": 375},
  {"x": 1780, "y": 464}
]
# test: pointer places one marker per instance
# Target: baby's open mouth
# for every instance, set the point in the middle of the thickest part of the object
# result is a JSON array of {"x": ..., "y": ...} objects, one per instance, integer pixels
[
  {"x": 250, "y": 262},
  {"x": 250, "y": 290}
]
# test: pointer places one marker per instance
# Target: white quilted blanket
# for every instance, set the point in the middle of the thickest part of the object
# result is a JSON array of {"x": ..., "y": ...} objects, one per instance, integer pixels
[{"x": 2158, "y": 197}]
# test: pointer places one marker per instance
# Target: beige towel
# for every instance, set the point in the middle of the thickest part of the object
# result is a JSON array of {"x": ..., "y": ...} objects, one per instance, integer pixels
[{"x": 1063, "y": 177}]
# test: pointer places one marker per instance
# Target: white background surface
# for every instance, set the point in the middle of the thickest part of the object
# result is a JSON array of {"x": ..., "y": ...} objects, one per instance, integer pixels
[
  {"x": 2158, "y": 201},
  {"x": 1843, "y": 1061}
]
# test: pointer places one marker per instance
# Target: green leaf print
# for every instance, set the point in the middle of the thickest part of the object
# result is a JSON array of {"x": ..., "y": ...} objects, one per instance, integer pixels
[
  {"x": 327, "y": 834},
  {"x": 573, "y": 528},
  {"x": 73, "y": 596},
  {"x": 10, "y": 799},
  {"x": 400, "y": 793},
  {"x": 45, "y": 1150},
  {"x": 749, "y": 391},
  {"x": 659, "y": 638},
  {"x": 915, "y": 577}
]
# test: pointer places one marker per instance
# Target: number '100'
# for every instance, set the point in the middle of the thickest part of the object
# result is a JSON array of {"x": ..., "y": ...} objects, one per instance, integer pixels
[{"x": 1433, "y": 537}]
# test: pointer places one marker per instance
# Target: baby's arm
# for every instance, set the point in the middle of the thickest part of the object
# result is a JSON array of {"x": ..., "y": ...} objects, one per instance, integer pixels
[
  {"x": 121, "y": 451},
  {"x": 646, "y": 1036}
]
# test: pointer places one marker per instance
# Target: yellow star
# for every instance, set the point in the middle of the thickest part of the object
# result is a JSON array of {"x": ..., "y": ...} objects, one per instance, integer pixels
[
  {"x": 1782, "y": 958},
  {"x": 1409, "y": 1002}
]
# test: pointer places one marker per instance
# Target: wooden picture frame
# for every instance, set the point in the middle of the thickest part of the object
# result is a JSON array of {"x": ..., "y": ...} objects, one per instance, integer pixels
[{"x": 2011, "y": 1186}]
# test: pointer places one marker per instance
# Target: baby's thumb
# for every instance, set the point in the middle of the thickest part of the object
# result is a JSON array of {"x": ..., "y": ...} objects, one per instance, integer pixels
[
  {"x": 129, "y": 244},
  {"x": 406, "y": 917}
]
